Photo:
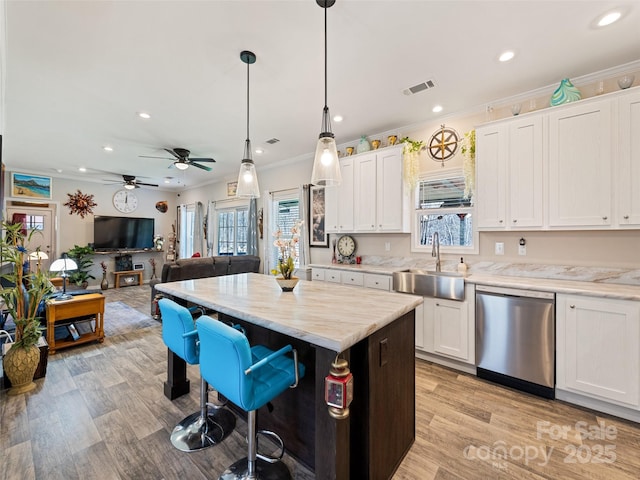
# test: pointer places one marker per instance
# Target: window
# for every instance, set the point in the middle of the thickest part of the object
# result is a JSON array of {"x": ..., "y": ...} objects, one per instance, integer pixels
[
  {"x": 232, "y": 231},
  {"x": 285, "y": 213},
  {"x": 187, "y": 220},
  {"x": 441, "y": 207}
]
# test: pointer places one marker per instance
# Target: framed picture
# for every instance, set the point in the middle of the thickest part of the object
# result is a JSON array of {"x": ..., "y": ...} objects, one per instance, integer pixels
[
  {"x": 30, "y": 186},
  {"x": 318, "y": 236},
  {"x": 231, "y": 189}
]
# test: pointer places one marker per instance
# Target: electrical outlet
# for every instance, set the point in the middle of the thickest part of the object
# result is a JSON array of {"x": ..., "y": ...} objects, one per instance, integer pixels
[
  {"x": 387, "y": 246},
  {"x": 522, "y": 249},
  {"x": 499, "y": 248}
]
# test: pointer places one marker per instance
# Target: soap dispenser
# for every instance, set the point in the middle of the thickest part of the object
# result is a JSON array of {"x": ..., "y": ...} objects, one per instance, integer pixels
[{"x": 462, "y": 267}]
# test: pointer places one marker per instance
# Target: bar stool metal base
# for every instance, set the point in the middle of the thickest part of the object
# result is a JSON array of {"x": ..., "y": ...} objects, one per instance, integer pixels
[
  {"x": 194, "y": 433},
  {"x": 264, "y": 471}
]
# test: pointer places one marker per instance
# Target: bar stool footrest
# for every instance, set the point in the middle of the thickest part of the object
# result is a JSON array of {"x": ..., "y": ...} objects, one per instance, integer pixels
[
  {"x": 193, "y": 433},
  {"x": 264, "y": 471},
  {"x": 277, "y": 438}
]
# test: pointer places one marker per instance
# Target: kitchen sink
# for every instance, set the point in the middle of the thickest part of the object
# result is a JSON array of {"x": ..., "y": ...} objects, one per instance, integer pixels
[{"x": 447, "y": 285}]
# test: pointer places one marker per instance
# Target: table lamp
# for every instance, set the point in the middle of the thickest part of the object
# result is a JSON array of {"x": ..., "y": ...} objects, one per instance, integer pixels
[
  {"x": 38, "y": 256},
  {"x": 61, "y": 265}
]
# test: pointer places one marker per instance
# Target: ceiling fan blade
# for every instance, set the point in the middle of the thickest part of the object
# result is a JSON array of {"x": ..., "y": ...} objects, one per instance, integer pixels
[
  {"x": 146, "y": 184},
  {"x": 150, "y": 156},
  {"x": 203, "y": 167},
  {"x": 173, "y": 153},
  {"x": 205, "y": 160}
]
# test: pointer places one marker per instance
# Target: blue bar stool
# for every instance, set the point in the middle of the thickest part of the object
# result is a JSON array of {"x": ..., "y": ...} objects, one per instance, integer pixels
[
  {"x": 212, "y": 423},
  {"x": 252, "y": 377}
]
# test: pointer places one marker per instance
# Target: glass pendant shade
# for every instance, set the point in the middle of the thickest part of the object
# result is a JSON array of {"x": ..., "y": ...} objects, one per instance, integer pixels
[
  {"x": 326, "y": 166},
  {"x": 247, "y": 177}
]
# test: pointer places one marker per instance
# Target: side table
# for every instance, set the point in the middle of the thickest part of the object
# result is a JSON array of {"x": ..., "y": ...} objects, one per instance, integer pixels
[{"x": 78, "y": 306}]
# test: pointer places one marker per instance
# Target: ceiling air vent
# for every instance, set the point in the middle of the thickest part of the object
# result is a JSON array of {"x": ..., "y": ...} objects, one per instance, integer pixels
[
  {"x": 426, "y": 85},
  {"x": 271, "y": 141}
]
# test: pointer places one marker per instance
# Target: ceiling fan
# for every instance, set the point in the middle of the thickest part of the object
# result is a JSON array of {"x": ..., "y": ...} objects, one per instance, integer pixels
[
  {"x": 182, "y": 159},
  {"x": 129, "y": 182}
]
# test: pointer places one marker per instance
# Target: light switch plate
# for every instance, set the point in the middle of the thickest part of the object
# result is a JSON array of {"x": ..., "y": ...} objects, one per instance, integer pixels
[
  {"x": 522, "y": 249},
  {"x": 499, "y": 248}
]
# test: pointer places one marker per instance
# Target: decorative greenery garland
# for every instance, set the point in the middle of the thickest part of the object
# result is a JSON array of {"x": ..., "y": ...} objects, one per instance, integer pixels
[{"x": 411, "y": 152}]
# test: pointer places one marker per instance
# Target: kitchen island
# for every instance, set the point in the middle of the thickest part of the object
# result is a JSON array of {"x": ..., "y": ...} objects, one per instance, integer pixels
[{"x": 373, "y": 330}]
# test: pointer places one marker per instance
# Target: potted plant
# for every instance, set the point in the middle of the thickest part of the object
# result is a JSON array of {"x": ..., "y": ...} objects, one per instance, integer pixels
[
  {"x": 23, "y": 292},
  {"x": 286, "y": 254},
  {"x": 82, "y": 256}
]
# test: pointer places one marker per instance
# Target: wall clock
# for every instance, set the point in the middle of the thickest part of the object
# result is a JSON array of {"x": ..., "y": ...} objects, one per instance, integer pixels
[
  {"x": 346, "y": 246},
  {"x": 443, "y": 144},
  {"x": 125, "y": 201}
]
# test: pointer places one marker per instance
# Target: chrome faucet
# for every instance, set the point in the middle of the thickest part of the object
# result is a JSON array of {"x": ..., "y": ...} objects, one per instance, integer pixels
[{"x": 435, "y": 250}]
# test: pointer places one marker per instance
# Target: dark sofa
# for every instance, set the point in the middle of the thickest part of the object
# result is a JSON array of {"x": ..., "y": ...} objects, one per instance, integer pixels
[{"x": 203, "y": 267}]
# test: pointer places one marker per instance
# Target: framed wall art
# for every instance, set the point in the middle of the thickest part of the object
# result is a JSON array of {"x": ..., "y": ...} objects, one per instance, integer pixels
[
  {"x": 318, "y": 236},
  {"x": 232, "y": 187},
  {"x": 30, "y": 186}
]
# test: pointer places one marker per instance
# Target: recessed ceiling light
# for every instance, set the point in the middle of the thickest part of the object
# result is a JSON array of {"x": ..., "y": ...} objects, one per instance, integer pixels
[
  {"x": 107, "y": 148},
  {"x": 337, "y": 118},
  {"x": 609, "y": 18},
  {"x": 167, "y": 180},
  {"x": 437, "y": 109},
  {"x": 59, "y": 170},
  {"x": 144, "y": 115},
  {"x": 506, "y": 55},
  {"x": 259, "y": 151},
  {"x": 82, "y": 169}
]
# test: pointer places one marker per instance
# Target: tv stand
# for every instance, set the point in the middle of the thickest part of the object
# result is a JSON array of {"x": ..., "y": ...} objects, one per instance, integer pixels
[{"x": 128, "y": 274}]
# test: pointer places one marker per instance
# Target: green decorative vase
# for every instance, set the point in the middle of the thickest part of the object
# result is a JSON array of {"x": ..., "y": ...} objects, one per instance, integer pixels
[
  {"x": 565, "y": 93},
  {"x": 363, "y": 145}
]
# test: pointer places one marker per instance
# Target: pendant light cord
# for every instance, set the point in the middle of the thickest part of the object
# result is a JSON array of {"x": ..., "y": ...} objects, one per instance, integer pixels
[
  {"x": 247, "y": 101},
  {"x": 325, "y": 56}
]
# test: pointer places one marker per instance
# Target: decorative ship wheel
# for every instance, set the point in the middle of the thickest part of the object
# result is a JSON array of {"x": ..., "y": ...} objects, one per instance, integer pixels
[{"x": 443, "y": 144}]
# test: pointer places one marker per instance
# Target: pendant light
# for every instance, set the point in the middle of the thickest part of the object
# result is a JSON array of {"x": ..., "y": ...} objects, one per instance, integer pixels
[
  {"x": 247, "y": 178},
  {"x": 326, "y": 167}
]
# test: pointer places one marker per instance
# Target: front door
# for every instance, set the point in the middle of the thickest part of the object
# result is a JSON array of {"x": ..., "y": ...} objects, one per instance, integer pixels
[{"x": 38, "y": 220}]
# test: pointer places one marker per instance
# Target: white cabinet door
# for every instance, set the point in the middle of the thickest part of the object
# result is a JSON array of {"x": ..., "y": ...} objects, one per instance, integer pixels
[
  {"x": 352, "y": 278},
  {"x": 629, "y": 158},
  {"x": 392, "y": 209},
  {"x": 377, "y": 281},
  {"x": 339, "y": 201},
  {"x": 598, "y": 348},
  {"x": 420, "y": 319},
  {"x": 525, "y": 167},
  {"x": 450, "y": 329},
  {"x": 332, "y": 276},
  {"x": 365, "y": 193},
  {"x": 580, "y": 165},
  {"x": 491, "y": 154}
]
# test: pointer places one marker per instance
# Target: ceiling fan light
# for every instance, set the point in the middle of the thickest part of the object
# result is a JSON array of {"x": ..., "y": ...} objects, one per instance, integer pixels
[
  {"x": 129, "y": 186},
  {"x": 181, "y": 165},
  {"x": 248, "y": 180}
]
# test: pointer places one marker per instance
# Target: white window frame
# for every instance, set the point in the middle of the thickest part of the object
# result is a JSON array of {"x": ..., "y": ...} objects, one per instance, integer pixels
[
  {"x": 415, "y": 231},
  {"x": 225, "y": 206}
]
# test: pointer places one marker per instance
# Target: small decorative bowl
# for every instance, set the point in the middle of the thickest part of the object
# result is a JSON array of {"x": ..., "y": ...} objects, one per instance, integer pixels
[
  {"x": 625, "y": 81},
  {"x": 349, "y": 150},
  {"x": 375, "y": 144}
]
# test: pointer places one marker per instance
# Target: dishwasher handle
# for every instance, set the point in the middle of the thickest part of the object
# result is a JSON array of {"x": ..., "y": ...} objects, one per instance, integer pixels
[{"x": 515, "y": 292}]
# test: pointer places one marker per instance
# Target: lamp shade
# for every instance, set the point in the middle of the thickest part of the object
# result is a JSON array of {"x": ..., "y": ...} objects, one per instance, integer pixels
[
  {"x": 181, "y": 165},
  {"x": 248, "y": 180},
  {"x": 326, "y": 166},
  {"x": 38, "y": 255},
  {"x": 63, "y": 264}
]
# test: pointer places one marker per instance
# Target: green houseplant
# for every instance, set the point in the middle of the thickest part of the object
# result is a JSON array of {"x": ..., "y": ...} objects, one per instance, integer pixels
[
  {"x": 22, "y": 293},
  {"x": 82, "y": 256}
]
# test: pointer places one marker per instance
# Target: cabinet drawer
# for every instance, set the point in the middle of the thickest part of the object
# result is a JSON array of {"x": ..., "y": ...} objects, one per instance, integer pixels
[
  {"x": 352, "y": 278},
  {"x": 381, "y": 282},
  {"x": 332, "y": 276},
  {"x": 317, "y": 274}
]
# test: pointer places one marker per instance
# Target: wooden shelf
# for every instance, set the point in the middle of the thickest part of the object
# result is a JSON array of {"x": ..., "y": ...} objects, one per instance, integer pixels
[{"x": 75, "y": 308}]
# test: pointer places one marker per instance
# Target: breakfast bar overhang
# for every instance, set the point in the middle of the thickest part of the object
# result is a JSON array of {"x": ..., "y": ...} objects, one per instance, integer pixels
[{"x": 373, "y": 330}]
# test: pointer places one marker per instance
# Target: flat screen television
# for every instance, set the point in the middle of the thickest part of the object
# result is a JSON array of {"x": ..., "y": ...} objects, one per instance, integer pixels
[{"x": 122, "y": 233}]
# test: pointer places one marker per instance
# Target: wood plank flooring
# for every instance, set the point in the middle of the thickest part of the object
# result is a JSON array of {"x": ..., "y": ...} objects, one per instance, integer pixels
[{"x": 100, "y": 414}]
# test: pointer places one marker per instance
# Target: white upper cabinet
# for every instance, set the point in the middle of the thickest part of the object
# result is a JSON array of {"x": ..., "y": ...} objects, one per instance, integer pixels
[
  {"x": 580, "y": 165},
  {"x": 339, "y": 201},
  {"x": 373, "y": 192},
  {"x": 491, "y": 161},
  {"x": 629, "y": 158}
]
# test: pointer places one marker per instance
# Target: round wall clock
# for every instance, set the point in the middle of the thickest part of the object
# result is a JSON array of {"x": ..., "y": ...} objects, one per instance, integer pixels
[
  {"x": 346, "y": 246},
  {"x": 443, "y": 144},
  {"x": 125, "y": 201}
]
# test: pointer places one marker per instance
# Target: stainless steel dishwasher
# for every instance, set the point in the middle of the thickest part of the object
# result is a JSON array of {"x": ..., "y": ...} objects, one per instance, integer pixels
[{"x": 515, "y": 338}]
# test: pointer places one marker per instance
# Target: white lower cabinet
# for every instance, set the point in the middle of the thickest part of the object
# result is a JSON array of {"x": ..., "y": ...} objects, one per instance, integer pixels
[
  {"x": 350, "y": 277},
  {"x": 598, "y": 349},
  {"x": 446, "y": 328}
]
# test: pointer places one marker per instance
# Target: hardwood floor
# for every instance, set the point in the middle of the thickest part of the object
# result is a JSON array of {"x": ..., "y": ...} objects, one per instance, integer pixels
[{"x": 100, "y": 413}]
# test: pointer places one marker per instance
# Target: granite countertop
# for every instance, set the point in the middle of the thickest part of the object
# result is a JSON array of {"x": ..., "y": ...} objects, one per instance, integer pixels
[
  {"x": 616, "y": 283},
  {"x": 323, "y": 314}
]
